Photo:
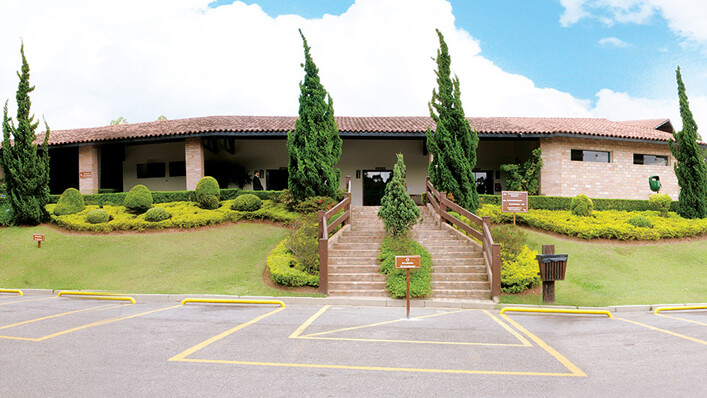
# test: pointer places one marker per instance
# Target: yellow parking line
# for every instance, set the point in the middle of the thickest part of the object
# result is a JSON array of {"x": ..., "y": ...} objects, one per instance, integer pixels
[
  {"x": 682, "y": 336},
  {"x": 24, "y": 301},
  {"x": 556, "y": 311},
  {"x": 184, "y": 354},
  {"x": 57, "y": 315},
  {"x": 566, "y": 362},
  {"x": 683, "y": 319}
]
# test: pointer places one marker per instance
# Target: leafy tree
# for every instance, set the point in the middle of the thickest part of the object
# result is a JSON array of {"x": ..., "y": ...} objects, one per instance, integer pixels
[
  {"x": 314, "y": 146},
  {"x": 525, "y": 177},
  {"x": 26, "y": 169},
  {"x": 119, "y": 120},
  {"x": 453, "y": 143},
  {"x": 690, "y": 167},
  {"x": 398, "y": 211}
]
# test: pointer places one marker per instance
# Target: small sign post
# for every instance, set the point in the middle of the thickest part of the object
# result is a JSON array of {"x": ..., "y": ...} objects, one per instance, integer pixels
[
  {"x": 39, "y": 238},
  {"x": 514, "y": 202},
  {"x": 407, "y": 263}
]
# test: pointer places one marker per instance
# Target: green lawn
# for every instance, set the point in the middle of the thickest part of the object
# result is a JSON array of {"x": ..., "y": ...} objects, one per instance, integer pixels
[
  {"x": 221, "y": 260},
  {"x": 601, "y": 274}
]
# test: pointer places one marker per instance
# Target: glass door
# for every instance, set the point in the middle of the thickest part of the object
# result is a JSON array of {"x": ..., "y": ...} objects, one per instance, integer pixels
[{"x": 374, "y": 182}]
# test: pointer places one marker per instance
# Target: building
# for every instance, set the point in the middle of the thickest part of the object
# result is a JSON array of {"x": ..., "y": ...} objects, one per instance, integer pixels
[{"x": 596, "y": 157}]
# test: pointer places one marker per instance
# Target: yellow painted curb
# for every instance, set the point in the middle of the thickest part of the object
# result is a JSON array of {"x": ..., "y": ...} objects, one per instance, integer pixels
[
  {"x": 693, "y": 307},
  {"x": 12, "y": 291},
  {"x": 557, "y": 311},
  {"x": 232, "y": 301},
  {"x": 98, "y": 296}
]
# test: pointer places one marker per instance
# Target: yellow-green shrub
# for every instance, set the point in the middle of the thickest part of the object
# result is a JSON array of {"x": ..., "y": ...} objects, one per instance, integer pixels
[
  {"x": 285, "y": 270},
  {"x": 581, "y": 206},
  {"x": 521, "y": 273},
  {"x": 660, "y": 202},
  {"x": 70, "y": 202}
]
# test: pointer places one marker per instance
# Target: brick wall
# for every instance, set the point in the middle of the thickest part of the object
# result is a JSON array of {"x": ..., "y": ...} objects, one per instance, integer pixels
[
  {"x": 619, "y": 179},
  {"x": 88, "y": 169},
  {"x": 194, "y": 158}
]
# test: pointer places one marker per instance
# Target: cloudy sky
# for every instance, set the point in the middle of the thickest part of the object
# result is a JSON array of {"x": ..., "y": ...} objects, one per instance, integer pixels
[{"x": 95, "y": 60}]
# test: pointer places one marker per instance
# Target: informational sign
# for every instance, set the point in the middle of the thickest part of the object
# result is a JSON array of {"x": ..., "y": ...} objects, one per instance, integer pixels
[
  {"x": 407, "y": 262},
  {"x": 514, "y": 201},
  {"x": 39, "y": 238},
  {"x": 84, "y": 174}
]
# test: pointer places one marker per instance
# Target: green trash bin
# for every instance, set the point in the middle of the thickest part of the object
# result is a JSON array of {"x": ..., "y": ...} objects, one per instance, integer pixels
[{"x": 654, "y": 183}]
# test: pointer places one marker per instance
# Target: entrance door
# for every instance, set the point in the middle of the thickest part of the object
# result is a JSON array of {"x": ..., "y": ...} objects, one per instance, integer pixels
[
  {"x": 276, "y": 180},
  {"x": 484, "y": 182},
  {"x": 374, "y": 182}
]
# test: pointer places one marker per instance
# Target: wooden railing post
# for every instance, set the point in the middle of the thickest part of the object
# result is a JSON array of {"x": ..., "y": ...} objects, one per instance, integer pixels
[
  {"x": 442, "y": 207},
  {"x": 496, "y": 270},
  {"x": 323, "y": 253},
  {"x": 347, "y": 195}
]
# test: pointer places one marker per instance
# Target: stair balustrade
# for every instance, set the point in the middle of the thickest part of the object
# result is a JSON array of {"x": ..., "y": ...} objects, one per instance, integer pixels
[
  {"x": 492, "y": 251},
  {"x": 326, "y": 228}
]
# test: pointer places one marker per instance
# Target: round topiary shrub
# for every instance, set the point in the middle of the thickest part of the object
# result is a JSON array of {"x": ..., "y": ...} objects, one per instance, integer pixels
[
  {"x": 247, "y": 202},
  {"x": 660, "y": 202},
  {"x": 207, "y": 193},
  {"x": 581, "y": 206},
  {"x": 70, "y": 202},
  {"x": 157, "y": 214},
  {"x": 640, "y": 222},
  {"x": 97, "y": 216},
  {"x": 138, "y": 199}
]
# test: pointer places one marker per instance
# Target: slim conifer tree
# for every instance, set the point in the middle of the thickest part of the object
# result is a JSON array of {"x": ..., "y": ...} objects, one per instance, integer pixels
[
  {"x": 453, "y": 143},
  {"x": 314, "y": 146},
  {"x": 26, "y": 169},
  {"x": 398, "y": 211},
  {"x": 690, "y": 167}
]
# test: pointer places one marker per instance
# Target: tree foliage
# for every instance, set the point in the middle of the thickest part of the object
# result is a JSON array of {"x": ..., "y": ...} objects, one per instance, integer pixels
[
  {"x": 690, "y": 167},
  {"x": 398, "y": 211},
  {"x": 314, "y": 146},
  {"x": 26, "y": 168},
  {"x": 453, "y": 143},
  {"x": 525, "y": 177}
]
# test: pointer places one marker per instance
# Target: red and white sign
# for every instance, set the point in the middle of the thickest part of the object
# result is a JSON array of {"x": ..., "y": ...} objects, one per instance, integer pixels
[
  {"x": 514, "y": 201},
  {"x": 38, "y": 237},
  {"x": 407, "y": 262}
]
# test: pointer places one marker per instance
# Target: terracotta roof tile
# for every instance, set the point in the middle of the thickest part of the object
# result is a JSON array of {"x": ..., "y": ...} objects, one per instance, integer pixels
[{"x": 348, "y": 125}]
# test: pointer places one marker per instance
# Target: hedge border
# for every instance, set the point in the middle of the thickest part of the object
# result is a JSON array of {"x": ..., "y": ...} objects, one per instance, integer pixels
[
  {"x": 117, "y": 198},
  {"x": 563, "y": 203}
]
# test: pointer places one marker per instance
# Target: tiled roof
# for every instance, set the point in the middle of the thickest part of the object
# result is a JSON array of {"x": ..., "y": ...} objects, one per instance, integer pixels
[
  {"x": 361, "y": 126},
  {"x": 658, "y": 124}
]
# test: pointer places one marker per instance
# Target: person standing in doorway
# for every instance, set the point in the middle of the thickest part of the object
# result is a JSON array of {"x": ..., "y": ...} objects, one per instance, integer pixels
[{"x": 257, "y": 186}]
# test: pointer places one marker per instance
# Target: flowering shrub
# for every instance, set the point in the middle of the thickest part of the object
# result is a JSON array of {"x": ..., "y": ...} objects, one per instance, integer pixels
[{"x": 286, "y": 271}]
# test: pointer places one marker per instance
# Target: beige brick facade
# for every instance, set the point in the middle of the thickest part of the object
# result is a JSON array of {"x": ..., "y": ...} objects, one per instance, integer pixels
[
  {"x": 619, "y": 179},
  {"x": 194, "y": 158},
  {"x": 88, "y": 169}
]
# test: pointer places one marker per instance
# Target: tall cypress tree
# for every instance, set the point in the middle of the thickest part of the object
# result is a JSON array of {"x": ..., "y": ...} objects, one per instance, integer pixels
[
  {"x": 398, "y": 211},
  {"x": 690, "y": 167},
  {"x": 314, "y": 146},
  {"x": 26, "y": 169},
  {"x": 453, "y": 143}
]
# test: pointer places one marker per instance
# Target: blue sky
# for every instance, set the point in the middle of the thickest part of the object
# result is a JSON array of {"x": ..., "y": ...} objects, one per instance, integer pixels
[{"x": 95, "y": 61}]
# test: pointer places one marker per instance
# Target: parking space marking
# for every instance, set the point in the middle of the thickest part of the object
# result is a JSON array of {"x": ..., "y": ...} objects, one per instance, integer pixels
[
  {"x": 297, "y": 334},
  {"x": 58, "y": 315},
  {"x": 682, "y": 336},
  {"x": 81, "y": 327},
  {"x": 24, "y": 301},
  {"x": 683, "y": 319},
  {"x": 184, "y": 356}
]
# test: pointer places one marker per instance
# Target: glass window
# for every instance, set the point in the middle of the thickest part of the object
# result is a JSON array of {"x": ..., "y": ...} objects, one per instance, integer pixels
[
  {"x": 150, "y": 170},
  {"x": 659, "y": 160},
  {"x": 580, "y": 155},
  {"x": 177, "y": 169}
]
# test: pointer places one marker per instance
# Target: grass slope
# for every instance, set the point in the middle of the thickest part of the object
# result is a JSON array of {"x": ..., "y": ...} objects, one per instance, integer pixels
[
  {"x": 601, "y": 274},
  {"x": 222, "y": 260}
]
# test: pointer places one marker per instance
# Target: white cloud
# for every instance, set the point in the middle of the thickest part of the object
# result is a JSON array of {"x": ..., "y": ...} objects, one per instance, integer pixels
[
  {"x": 574, "y": 11},
  {"x": 612, "y": 42},
  {"x": 93, "y": 61}
]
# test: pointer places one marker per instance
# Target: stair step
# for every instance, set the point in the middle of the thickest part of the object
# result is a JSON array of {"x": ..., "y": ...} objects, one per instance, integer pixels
[
  {"x": 359, "y": 293},
  {"x": 459, "y": 276},
  {"x": 356, "y": 285},
  {"x": 357, "y": 277},
  {"x": 353, "y": 260},
  {"x": 354, "y": 253},
  {"x": 442, "y": 261},
  {"x": 344, "y": 245},
  {"x": 460, "y": 285},
  {"x": 461, "y": 294},
  {"x": 353, "y": 268},
  {"x": 458, "y": 268}
]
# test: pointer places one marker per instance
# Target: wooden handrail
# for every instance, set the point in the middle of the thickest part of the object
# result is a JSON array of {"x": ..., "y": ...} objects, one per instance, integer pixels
[
  {"x": 324, "y": 231},
  {"x": 491, "y": 250}
]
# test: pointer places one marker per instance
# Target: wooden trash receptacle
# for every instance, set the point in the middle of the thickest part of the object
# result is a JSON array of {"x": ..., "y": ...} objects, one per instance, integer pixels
[{"x": 552, "y": 266}]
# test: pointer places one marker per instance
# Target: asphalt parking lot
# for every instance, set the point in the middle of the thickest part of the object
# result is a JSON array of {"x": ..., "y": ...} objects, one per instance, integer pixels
[{"x": 54, "y": 346}]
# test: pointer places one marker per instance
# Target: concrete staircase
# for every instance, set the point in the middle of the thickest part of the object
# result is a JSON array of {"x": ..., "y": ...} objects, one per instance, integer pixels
[
  {"x": 458, "y": 266},
  {"x": 353, "y": 259}
]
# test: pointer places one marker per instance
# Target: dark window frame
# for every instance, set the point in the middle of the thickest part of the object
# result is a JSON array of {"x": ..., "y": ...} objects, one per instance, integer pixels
[
  {"x": 640, "y": 158},
  {"x": 177, "y": 168},
  {"x": 584, "y": 155},
  {"x": 151, "y": 170}
]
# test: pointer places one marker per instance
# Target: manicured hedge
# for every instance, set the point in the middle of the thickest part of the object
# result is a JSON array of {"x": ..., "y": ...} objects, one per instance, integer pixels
[
  {"x": 520, "y": 273},
  {"x": 184, "y": 215},
  {"x": 286, "y": 271},
  {"x": 420, "y": 279},
  {"x": 117, "y": 198},
  {"x": 607, "y": 224},
  {"x": 563, "y": 203}
]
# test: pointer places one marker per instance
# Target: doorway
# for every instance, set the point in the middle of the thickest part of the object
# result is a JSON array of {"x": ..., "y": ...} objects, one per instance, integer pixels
[
  {"x": 374, "y": 182},
  {"x": 276, "y": 180}
]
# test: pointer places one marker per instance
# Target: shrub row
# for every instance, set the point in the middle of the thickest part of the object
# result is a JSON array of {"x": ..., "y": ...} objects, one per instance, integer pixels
[
  {"x": 420, "y": 279},
  {"x": 521, "y": 272},
  {"x": 183, "y": 215},
  {"x": 608, "y": 224},
  {"x": 117, "y": 198},
  {"x": 286, "y": 271},
  {"x": 563, "y": 203}
]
